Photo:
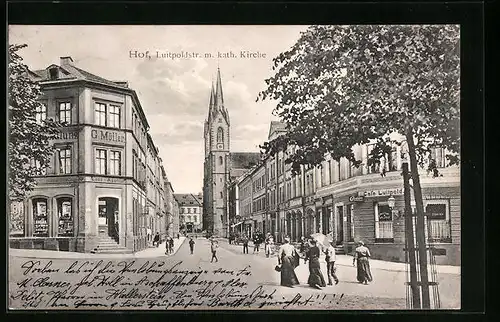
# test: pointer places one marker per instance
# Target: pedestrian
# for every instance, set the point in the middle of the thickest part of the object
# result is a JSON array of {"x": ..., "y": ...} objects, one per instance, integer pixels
[
  {"x": 178, "y": 236},
  {"x": 256, "y": 242},
  {"x": 245, "y": 244},
  {"x": 287, "y": 259},
  {"x": 213, "y": 246},
  {"x": 149, "y": 233},
  {"x": 330, "y": 258},
  {"x": 171, "y": 245},
  {"x": 269, "y": 245},
  {"x": 167, "y": 246},
  {"x": 361, "y": 258},
  {"x": 156, "y": 240},
  {"x": 191, "y": 245},
  {"x": 316, "y": 278},
  {"x": 304, "y": 246}
]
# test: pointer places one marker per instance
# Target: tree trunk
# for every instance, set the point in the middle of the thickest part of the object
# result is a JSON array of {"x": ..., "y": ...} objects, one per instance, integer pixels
[{"x": 420, "y": 231}]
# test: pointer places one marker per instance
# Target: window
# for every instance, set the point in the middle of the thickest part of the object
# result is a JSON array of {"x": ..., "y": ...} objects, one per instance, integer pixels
[
  {"x": 188, "y": 218},
  {"x": 41, "y": 113},
  {"x": 220, "y": 193},
  {"x": 220, "y": 135},
  {"x": 439, "y": 157},
  {"x": 65, "y": 216},
  {"x": 221, "y": 161},
  {"x": 65, "y": 160},
  {"x": 41, "y": 225},
  {"x": 114, "y": 116},
  {"x": 53, "y": 73},
  {"x": 65, "y": 112},
  {"x": 383, "y": 223},
  {"x": 188, "y": 210},
  {"x": 100, "y": 114},
  {"x": 438, "y": 223},
  {"x": 100, "y": 161},
  {"x": 195, "y": 219},
  {"x": 115, "y": 163}
]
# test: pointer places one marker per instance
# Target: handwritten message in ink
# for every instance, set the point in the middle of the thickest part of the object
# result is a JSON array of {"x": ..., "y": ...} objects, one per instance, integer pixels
[{"x": 146, "y": 284}]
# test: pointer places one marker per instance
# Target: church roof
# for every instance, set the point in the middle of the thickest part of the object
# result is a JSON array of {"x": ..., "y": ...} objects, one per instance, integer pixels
[
  {"x": 187, "y": 199},
  {"x": 244, "y": 160}
]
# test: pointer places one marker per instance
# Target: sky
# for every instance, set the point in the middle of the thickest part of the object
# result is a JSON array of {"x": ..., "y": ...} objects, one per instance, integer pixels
[{"x": 174, "y": 93}]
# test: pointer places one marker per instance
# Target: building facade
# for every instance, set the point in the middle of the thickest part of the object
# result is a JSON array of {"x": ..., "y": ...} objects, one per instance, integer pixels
[
  {"x": 350, "y": 203},
  {"x": 190, "y": 212},
  {"x": 220, "y": 165},
  {"x": 95, "y": 194}
]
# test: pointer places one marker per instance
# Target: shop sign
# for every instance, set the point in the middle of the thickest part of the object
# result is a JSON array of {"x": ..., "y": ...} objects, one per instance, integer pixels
[
  {"x": 107, "y": 179},
  {"x": 356, "y": 198},
  {"x": 383, "y": 192},
  {"x": 108, "y": 136},
  {"x": 72, "y": 135}
]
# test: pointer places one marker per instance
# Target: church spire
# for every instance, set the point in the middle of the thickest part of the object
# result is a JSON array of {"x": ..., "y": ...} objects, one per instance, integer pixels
[
  {"x": 211, "y": 106},
  {"x": 219, "y": 98}
]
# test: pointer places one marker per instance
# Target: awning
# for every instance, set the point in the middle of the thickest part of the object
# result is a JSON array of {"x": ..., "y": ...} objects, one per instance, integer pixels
[{"x": 232, "y": 226}]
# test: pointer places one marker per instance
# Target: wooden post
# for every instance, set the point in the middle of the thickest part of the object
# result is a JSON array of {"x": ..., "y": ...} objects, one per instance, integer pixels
[
  {"x": 410, "y": 245},
  {"x": 420, "y": 231}
]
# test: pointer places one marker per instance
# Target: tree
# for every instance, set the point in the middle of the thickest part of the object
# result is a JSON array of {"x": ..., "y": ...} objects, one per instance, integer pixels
[
  {"x": 339, "y": 86},
  {"x": 30, "y": 147}
]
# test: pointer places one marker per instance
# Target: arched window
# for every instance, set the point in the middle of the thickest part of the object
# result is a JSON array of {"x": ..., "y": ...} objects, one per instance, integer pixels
[
  {"x": 65, "y": 216},
  {"x": 221, "y": 161},
  {"x": 220, "y": 135}
]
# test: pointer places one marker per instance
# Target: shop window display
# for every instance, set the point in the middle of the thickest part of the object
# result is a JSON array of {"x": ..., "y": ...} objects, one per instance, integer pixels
[
  {"x": 41, "y": 225},
  {"x": 65, "y": 217}
]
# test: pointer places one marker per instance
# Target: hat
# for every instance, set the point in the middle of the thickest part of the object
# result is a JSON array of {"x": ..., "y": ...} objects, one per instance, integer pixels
[
  {"x": 287, "y": 239},
  {"x": 361, "y": 243}
]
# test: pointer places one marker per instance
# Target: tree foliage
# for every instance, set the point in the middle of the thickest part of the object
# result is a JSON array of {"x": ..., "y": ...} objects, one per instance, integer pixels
[
  {"x": 339, "y": 86},
  {"x": 29, "y": 141}
]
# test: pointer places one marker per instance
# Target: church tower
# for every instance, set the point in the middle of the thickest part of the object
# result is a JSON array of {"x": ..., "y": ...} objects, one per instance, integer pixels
[{"x": 216, "y": 167}]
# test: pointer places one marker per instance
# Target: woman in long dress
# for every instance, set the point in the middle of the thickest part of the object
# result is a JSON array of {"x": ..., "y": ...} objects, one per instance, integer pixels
[
  {"x": 316, "y": 278},
  {"x": 361, "y": 258},
  {"x": 287, "y": 259}
]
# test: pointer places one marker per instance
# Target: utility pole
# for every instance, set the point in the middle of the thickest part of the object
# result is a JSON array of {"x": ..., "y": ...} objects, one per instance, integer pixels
[{"x": 410, "y": 244}]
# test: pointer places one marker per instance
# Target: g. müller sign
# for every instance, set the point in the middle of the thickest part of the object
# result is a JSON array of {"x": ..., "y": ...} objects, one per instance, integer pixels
[{"x": 108, "y": 136}]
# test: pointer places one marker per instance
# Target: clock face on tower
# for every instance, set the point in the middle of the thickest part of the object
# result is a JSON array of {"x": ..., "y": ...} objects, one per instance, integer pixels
[{"x": 220, "y": 146}]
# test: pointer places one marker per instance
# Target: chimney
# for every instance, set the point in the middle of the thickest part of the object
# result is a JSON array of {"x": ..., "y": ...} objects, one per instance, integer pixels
[{"x": 66, "y": 61}]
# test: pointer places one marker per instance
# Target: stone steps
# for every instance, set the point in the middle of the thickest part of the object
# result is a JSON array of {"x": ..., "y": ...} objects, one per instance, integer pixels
[{"x": 107, "y": 245}]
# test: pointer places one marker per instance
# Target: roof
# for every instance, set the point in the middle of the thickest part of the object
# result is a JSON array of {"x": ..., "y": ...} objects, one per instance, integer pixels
[
  {"x": 187, "y": 199},
  {"x": 276, "y": 127},
  {"x": 244, "y": 160},
  {"x": 68, "y": 71}
]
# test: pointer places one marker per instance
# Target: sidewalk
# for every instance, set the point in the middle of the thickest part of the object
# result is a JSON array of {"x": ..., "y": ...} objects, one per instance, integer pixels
[
  {"x": 151, "y": 252},
  {"x": 346, "y": 260}
]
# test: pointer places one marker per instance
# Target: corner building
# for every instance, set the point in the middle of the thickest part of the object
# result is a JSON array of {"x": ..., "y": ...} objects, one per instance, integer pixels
[{"x": 93, "y": 196}]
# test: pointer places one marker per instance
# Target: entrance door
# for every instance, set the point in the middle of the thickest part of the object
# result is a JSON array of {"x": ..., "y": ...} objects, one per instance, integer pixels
[
  {"x": 339, "y": 225},
  {"x": 108, "y": 217}
]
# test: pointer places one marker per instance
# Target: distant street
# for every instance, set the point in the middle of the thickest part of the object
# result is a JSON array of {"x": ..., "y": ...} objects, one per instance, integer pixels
[{"x": 257, "y": 282}]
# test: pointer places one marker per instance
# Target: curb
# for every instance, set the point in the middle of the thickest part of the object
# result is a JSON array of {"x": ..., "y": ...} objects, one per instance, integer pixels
[{"x": 92, "y": 256}]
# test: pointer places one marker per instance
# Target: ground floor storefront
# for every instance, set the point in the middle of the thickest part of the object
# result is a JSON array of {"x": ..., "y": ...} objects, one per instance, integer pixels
[
  {"x": 79, "y": 213},
  {"x": 371, "y": 210}
]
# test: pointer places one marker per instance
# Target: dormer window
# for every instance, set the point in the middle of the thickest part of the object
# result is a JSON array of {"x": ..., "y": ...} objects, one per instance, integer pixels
[{"x": 53, "y": 73}]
